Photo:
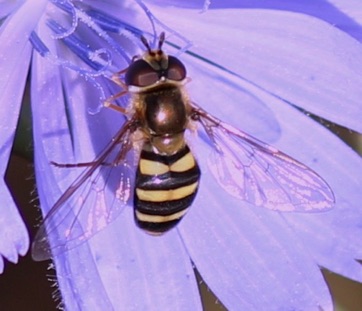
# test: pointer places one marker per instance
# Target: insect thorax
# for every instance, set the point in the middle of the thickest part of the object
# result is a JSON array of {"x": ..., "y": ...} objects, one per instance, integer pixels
[{"x": 164, "y": 117}]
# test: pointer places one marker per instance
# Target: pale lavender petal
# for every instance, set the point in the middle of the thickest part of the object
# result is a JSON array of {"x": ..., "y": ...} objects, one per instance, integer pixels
[
  {"x": 51, "y": 135},
  {"x": 8, "y": 7},
  {"x": 133, "y": 263},
  {"x": 299, "y": 63},
  {"x": 249, "y": 257},
  {"x": 191, "y": 4},
  {"x": 352, "y": 8},
  {"x": 304, "y": 140},
  {"x": 121, "y": 262},
  {"x": 52, "y": 141},
  {"x": 14, "y": 62},
  {"x": 239, "y": 239},
  {"x": 230, "y": 99},
  {"x": 338, "y": 13},
  {"x": 333, "y": 237}
]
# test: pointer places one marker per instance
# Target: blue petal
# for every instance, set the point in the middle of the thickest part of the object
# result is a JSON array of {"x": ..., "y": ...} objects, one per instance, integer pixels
[
  {"x": 52, "y": 141},
  {"x": 227, "y": 91},
  {"x": 313, "y": 145},
  {"x": 15, "y": 57},
  {"x": 120, "y": 262},
  {"x": 9, "y": 7},
  {"x": 333, "y": 237},
  {"x": 245, "y": 254},
  {"x": 352, "y": 8},
  {"x": 132, "y": 262},
  {"x": 295, "y": 57},
  {"x": 237, "y": 242},
  {"x": 344, "y": 15},
  {"x": 250, "y": 259},
  {"x": 191, "y": 4},
  {"x": 14, "y": 236}
]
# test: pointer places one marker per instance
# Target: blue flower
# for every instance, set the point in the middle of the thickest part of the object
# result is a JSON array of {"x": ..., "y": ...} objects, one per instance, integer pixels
[
  {"x": 14, "y": 58},
  {"x": 257, "y": 69}
]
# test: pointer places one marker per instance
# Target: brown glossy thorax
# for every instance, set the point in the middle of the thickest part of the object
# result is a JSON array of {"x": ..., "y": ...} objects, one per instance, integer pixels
[{"x": 164, "y": 116}]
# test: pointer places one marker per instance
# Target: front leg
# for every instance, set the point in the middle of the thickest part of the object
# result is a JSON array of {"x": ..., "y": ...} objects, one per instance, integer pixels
[{"x": 108, "y": 103}]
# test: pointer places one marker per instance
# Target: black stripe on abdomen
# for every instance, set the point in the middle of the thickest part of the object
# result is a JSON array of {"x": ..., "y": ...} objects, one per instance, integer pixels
[
  {"x": 159, "y": 217},
  {"x": 165, "y": 188}
]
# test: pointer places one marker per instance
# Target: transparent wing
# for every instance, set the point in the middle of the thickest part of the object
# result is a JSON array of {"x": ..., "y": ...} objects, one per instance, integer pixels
[
  {"x": 253, "y": 171},
  {"x": 86, "y": 207}
]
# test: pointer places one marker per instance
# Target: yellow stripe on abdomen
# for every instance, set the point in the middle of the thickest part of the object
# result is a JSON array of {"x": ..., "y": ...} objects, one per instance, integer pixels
[
  {"x": 159, "y": 218},
  {"x": 165, "y": 187},
  {"x": 166, "y": 195},
  {"x": 149, "y": 167},
  {"x": 184, "y": 164}
]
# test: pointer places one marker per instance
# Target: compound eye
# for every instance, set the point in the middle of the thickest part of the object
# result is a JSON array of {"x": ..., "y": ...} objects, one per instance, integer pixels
[
  {"x": 176, "y": 70},
  {"x": 140, "y": 73}
]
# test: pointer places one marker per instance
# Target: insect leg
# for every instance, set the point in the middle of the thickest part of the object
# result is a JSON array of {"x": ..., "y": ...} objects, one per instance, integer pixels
[
  {"x": 108, "y": 102},
  {"x": 70, "y": 165},
  {"x": 123, "y": 139}
]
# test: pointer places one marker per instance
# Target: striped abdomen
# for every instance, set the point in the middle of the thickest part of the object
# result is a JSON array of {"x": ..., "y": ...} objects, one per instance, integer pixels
[{"x": 165, "y": 187}]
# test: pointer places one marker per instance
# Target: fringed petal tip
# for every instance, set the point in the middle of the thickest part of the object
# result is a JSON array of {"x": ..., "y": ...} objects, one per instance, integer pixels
[{"x": 14, "y": 238}]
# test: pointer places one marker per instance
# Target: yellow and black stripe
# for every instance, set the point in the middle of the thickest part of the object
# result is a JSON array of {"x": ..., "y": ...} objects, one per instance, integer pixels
[{"x": 166, "y": 185}]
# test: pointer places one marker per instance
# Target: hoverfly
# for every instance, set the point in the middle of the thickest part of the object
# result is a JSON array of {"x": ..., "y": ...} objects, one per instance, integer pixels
[{"x": 167, "y": 175}]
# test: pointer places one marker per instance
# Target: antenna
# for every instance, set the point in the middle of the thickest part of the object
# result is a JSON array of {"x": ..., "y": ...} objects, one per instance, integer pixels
[
  {"x": 146, "y": 44},
  {"x": 161, "y": 40}
]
